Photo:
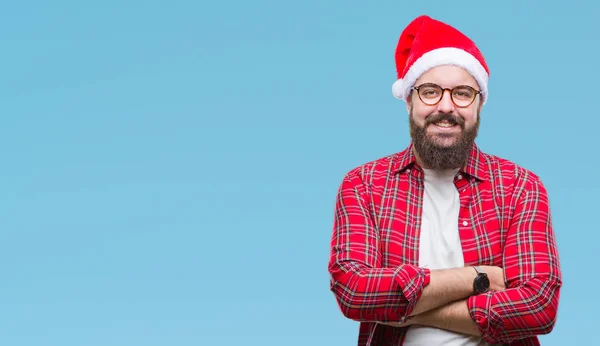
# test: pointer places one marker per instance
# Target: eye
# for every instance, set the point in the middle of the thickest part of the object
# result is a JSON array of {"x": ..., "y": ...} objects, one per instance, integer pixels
[
  {"x": 463, "y": 93},
  {"x": 430, "y": 91}
]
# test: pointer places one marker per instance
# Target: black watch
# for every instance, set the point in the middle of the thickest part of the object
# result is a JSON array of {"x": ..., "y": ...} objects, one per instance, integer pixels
[{"x": 481, "y": 284}]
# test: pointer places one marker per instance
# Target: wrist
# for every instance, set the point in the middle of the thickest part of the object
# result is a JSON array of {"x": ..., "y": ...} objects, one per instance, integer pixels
[
  {"x": 468, "y": 277},
  {"x": 481, "y": 282}
]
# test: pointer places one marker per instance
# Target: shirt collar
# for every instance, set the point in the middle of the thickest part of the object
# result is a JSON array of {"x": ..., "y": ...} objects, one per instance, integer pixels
[{"x": 475, "y": 166}]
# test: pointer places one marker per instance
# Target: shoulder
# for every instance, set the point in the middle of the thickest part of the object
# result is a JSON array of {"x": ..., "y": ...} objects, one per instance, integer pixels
[
  {"x": 509, "y": 173},
  {"x": 368, "y": 172}
]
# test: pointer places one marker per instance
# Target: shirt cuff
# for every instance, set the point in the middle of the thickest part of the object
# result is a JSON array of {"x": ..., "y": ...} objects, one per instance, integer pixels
[
  {"x": 412, "y": 281},
  {"x": 488, "y": 323}
]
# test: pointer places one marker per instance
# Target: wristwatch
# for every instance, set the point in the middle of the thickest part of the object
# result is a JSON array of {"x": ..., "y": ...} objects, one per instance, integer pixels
[{"x": 481, "y": 284}]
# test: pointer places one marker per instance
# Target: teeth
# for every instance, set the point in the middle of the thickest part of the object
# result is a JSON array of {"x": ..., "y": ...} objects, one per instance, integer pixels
[{"x": 444, "y": 124}]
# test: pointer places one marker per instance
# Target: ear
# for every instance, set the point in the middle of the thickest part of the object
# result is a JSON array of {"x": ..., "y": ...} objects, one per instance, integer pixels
[{"x": 409, "y": 102}]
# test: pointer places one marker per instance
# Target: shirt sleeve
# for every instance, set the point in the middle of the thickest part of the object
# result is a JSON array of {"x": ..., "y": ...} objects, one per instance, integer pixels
[
  {"x": 363, "y": 289},
  {"x": 529, "y": 305}
]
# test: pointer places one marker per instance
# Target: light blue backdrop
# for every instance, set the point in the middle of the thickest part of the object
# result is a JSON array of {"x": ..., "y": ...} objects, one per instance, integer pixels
[{"x": 169, "y": 168}]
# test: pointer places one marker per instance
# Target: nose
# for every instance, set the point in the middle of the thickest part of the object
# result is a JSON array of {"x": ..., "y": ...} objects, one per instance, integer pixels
[{"x": 446, "y": 105}]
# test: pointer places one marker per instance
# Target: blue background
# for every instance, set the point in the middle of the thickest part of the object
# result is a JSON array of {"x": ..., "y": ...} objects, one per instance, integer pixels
[{"x": 169, "y": 168}]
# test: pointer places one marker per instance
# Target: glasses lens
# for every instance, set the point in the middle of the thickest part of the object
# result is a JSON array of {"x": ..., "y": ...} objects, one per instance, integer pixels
[
  {"x": 463, "y": 95},
  {"x": 430, "y": 94}
]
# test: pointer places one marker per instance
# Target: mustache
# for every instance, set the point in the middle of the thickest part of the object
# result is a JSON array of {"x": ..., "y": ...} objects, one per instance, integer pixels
[{"x": 434, "y": 118}]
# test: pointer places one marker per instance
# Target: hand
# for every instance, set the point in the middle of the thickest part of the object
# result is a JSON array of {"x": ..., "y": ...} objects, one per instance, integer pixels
[{"x": 496, "y": 276}]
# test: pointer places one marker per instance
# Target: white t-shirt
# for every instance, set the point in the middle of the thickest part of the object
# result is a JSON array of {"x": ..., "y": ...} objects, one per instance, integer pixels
[{"x": 440, "y": 248}]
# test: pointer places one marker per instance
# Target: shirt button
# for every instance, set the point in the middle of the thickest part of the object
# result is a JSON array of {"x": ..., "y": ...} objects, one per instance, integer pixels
[
  {"x": 459, "y": 177},
  {"x": 465, "y": 223},
  {"x": 408, "y": 170}
]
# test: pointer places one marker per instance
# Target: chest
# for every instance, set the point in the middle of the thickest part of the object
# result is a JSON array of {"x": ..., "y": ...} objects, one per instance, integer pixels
[{"x": 402, "y": 207}]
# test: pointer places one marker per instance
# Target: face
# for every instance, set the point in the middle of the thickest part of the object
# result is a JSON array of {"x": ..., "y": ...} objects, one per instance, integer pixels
[{"x": 443, "y": 134}]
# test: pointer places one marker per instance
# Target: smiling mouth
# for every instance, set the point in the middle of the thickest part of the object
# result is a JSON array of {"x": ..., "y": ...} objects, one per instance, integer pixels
[{"x": 445, "y": 123}]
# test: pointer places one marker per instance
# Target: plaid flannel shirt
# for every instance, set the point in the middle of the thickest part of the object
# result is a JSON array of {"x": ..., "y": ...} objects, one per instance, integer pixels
[{"x": 504, "y": 221}]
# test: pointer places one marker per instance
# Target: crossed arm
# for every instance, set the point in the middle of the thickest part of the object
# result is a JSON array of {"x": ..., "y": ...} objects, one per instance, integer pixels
[
  {"x": 407, "y": 294},
  {"x": 450, "y": 312},
  {"x": 453, "y": 316}
]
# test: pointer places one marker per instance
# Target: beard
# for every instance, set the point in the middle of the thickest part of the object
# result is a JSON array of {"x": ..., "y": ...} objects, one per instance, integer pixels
[{"x": 441, "y": 157}]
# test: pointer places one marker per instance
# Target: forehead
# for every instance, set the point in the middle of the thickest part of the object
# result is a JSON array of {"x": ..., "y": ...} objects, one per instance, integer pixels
[{"x": 448, "y": 76}]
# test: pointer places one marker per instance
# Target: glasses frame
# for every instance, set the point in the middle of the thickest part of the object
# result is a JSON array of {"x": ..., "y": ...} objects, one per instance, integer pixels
[{"x": 451, "y": 90}]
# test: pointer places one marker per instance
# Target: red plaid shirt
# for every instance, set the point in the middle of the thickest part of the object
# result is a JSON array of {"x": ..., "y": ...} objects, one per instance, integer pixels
[{"x": 504, "y": 220}]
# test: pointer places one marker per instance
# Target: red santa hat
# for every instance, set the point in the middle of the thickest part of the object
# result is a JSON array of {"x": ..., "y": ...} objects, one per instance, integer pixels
[{"x": 426, "y": 43}]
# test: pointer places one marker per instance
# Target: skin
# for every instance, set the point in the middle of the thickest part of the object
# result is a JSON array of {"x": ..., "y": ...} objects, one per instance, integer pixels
[
  {"x": 443, "y": 302},
  {"x": 449, "y": 285},
  {"x": 446, "y": 76},
  {"x": 451, "y": 314}
]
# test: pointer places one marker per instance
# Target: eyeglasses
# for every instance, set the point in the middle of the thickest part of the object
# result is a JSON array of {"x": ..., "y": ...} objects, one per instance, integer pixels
[{"x": 431, "y": 94}]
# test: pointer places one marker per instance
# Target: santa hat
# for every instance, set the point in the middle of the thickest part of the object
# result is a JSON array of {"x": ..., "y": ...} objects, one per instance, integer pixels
[{"x": 426, "y": 43}]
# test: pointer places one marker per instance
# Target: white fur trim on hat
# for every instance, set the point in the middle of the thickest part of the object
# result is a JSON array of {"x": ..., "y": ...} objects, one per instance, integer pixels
[{"x": 442, "y": 56}]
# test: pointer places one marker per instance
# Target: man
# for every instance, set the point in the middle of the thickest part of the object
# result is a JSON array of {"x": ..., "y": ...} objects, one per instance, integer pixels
[{"x": 442, "y": 244}]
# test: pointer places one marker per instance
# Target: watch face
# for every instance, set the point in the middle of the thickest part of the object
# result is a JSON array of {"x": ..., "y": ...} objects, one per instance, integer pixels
[{"x": 482, "y": 284}]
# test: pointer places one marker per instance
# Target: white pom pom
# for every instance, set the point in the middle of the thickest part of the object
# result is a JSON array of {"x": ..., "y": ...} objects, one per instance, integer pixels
[{"x": 399, "y": 90}]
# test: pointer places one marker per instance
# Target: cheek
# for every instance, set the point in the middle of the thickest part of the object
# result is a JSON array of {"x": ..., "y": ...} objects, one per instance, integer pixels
[
  {"x": 470, "y": 117},
  {"x": 418, "y": 114}
]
